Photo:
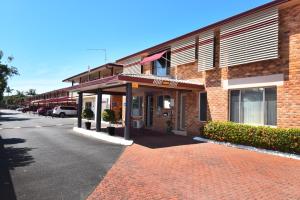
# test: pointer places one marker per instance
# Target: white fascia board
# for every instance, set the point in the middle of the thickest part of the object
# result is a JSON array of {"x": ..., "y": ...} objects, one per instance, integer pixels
[{"x": 257, "y": 81}]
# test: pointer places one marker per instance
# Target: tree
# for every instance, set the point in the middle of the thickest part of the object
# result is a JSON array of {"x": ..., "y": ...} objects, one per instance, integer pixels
[
  {"x": 20, "y": 93},
  {"x": 8, "y": 90},
  {"x": 6, "y": 71},
  {"x": 31, "y": 92}
]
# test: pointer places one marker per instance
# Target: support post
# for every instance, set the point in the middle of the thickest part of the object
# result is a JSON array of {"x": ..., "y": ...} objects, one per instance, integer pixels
[
  {"x": 128, "y": 111},
  {"x": 79, "y": 110},
  {"x": 99, "y": 110}
]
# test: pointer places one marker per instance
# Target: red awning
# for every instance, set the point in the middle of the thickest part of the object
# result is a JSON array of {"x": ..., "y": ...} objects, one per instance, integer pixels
[
  {"x": 153, "y": 57},
  {"x": 61, "y": 99}
]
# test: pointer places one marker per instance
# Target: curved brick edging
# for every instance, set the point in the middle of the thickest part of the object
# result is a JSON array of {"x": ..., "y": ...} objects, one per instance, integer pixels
[{"x": 239, "y": 146}]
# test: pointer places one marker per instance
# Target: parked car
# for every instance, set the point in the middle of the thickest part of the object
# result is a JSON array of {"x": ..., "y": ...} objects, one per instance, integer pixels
[
  {"x": 12, "y": 107},
  {"x": 43, "y": 110},
  {"x": 49, "y": 112},
  {"x": 63, "y": 111},
  {"x": 29, "y": 108},
  {"x": 20, "y": 109}
]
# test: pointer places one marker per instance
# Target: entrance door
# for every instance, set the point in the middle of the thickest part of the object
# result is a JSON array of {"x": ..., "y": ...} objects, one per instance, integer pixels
[
  {"x": 182, "y": 112},
  {"x": 149, "y": 111}
]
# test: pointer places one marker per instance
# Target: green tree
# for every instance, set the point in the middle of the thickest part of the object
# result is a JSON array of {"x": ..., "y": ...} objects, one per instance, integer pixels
[
  {"x": 20, "y": 93},
  {"x": 31, "y": 92},
  {"x": 8, "y": 90},
  {"x": 6, "y": 71}
]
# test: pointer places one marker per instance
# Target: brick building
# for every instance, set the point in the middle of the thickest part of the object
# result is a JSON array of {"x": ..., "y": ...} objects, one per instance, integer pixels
[{"x": 244, "y": 69}]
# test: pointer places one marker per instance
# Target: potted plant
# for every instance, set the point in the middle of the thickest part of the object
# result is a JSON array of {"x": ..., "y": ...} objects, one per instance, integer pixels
[
  {"x": 88, "y": 114},
  {"x": 169, "y": 126},
  {"x": 109, "y": 116}
]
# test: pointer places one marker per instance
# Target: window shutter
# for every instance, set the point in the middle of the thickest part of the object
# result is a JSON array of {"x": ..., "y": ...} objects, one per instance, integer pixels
[
  {"x": 183, "y": 52},
  {"x": 250, "y": 39},
  {"x": 132, "y": 66},
  {"x": 206, "y": 51}
]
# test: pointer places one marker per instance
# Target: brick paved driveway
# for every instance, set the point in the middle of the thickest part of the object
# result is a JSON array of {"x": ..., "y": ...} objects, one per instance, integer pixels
[{"x": 198, "y": 171}]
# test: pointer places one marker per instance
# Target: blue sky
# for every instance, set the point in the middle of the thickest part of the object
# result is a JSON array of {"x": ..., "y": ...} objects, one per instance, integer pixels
[{"x": 49, "y": 39}]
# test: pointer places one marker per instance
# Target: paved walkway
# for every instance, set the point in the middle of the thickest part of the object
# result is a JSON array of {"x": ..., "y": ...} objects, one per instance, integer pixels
[{"x": 198, "y": 171}]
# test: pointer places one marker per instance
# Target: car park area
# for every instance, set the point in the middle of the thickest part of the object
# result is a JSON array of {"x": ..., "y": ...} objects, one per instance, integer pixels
[{"x": 41, "y": 158}]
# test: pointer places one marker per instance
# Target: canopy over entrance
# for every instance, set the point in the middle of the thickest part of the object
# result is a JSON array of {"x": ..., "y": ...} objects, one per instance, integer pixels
[
  {"x": 137, "y": 80},
  {"x": 127, "y": 84}
]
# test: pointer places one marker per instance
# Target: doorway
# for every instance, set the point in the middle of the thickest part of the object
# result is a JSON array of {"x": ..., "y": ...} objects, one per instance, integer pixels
[
  {"x": 182, "y": 116},
  {"x": 149, "y": 111}
]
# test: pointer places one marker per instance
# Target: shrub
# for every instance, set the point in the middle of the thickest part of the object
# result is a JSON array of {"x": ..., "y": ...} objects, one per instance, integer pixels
[
  {"x": 285, "y": 140},
  {"x": 87, "y": 114},
  {"x": 109, "y": 116}
]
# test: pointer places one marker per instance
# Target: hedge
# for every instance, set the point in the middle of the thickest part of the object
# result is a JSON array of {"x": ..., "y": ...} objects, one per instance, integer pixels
[{"x": 279, "y": 139}]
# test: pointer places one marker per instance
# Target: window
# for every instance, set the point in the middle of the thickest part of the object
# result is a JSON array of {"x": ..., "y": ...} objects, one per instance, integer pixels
[
  {"x": 160, "y": 102},
  {"x": 67, "y": 108},
  {"x": 254, "y": 106},
  {"x": 203, "y": 106},
  {"x": 163, "y": 102},
  {"x": 137, "y": 102},
  {"x": 161, "y": 67},
  {"x": 88, "y": 105}
]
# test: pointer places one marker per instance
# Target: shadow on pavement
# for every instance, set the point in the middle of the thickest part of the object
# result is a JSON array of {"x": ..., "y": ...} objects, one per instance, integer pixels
[
  {"x": 5, "y": 113},
  {"x": 8, "y": 119},
  {"x": 10, "y": 158},
  {"x": 153, "y": 139}
]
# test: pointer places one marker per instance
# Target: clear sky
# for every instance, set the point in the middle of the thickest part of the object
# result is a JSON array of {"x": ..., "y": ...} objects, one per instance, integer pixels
[{"x": 49, "y": 38}]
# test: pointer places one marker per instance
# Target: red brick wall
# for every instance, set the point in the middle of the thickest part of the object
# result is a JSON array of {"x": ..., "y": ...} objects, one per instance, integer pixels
[
  {"x": 288, "y": 95},
  {"x": 159, "y": 120}
]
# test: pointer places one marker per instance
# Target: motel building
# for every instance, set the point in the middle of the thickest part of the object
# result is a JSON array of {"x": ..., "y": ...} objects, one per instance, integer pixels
[
  {"x": 51, "y": 99},
  {"x": 244, "y": 69}
]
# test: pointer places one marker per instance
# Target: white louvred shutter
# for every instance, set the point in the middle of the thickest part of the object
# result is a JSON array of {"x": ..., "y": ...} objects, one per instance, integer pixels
[
  {"x": 206, "y": 51},
  {"x": 183, "y": 52},
  {"x": 250, "y": 39},
  {"x": 132, "y": 66}
]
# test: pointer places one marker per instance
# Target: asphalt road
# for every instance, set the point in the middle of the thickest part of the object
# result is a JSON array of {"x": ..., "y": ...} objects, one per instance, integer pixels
[{"x": 42, "y": 158}]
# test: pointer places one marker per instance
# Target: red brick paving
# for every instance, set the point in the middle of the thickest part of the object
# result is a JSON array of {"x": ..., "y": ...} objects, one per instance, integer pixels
[{"x": 199, "y": 171}]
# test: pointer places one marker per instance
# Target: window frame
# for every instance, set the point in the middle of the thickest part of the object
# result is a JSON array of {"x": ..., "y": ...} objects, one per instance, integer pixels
[
  {"x": 263, "y": 112},
  {"x": 199, "y": 106},
  {"x": 168, "y": 66},
  {"x": 163, "y": 102},
  {"x": 141, "y": 99},
  {"x": 88, "y": 102}
]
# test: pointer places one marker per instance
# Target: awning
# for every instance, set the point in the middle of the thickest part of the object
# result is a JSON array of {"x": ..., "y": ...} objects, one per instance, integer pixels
[
  {"x": 141, "y": 79},
  {"x": 55, "y": 100},
  {"x": 153, "y": 57}
]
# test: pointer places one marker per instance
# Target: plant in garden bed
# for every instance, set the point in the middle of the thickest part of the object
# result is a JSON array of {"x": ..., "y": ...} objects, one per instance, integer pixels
[
  {"x": 88, "y": 114},
  {"x": 109, "y": 116},
  {"x": 280, "y": 139},
  {"x": 169, "y": 126}
]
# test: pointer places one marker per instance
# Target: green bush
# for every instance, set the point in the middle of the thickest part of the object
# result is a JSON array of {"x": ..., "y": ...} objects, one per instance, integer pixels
[
  {"x": 285, "y": 140},
  {"x": 109, "y": 116},
  {"x": 87, "y": 114}
]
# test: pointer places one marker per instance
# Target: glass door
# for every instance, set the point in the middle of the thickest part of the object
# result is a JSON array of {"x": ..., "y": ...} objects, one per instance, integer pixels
[{"x": 149, "y": 111}]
